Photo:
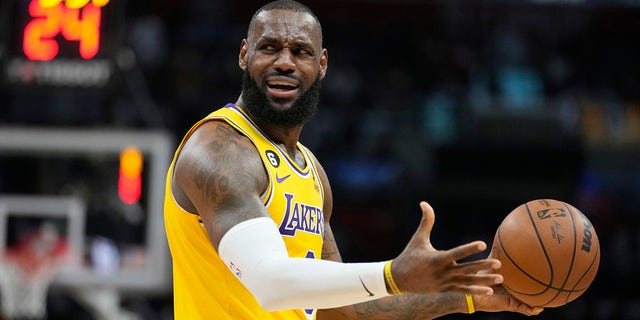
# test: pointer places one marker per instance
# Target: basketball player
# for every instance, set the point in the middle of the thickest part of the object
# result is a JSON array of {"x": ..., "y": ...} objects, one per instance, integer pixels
[{"x": 248, "y": 208}]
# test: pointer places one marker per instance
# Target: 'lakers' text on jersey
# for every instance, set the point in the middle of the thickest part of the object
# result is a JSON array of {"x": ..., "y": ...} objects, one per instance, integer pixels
[
  {"x": 300, "y": 216},
  {"x": 294, "y": 199}
]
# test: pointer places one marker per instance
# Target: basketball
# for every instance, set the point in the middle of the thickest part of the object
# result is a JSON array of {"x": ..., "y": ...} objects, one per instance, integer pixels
[{"x": 549, "y": 252}]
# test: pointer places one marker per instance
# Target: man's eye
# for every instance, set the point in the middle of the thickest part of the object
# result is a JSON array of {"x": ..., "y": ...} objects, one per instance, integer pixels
[
  {"x": 303, "y": 52},
  {"x": 268, "y": 48}
]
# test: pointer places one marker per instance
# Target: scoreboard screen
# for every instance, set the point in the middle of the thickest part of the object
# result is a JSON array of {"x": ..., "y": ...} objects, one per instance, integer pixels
[{"x": 56, "y": 43}]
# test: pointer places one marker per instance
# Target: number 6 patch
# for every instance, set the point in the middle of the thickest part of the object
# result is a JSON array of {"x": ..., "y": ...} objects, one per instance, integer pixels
[{"x": 273, "y": 158}]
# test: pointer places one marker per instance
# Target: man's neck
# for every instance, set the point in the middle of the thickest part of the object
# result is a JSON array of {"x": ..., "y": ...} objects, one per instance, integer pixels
[{"x": 287, "y": 138}]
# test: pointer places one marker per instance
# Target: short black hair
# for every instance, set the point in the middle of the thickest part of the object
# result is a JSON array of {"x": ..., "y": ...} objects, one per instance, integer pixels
[{"x": 290, "y": 5}]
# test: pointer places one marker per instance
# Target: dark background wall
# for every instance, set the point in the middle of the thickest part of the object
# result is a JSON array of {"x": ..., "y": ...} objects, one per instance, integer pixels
[{"x": 474, "y": 106}]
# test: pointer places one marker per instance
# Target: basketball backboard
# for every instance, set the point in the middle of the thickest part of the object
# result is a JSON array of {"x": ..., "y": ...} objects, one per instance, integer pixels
[{"x": 74, "y": 174}]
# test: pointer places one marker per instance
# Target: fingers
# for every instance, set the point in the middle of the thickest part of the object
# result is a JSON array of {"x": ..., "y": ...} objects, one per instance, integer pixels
[
  {"x": 466, "y": 250},
  {"x": 427, "y": 222},
  {"x": 422, "y": 236},
  {"x": 529, "y": 311},
  {"x": 427, "y": 210},
  {"x": 523, "y": 308},
  {"x": 420, "y": 268},
  {"x": 467, "y": 279},
  {"x": 474, "y": 284},
  {"x": 501, "y": 301},
  {"x": 475, "y": 290}
]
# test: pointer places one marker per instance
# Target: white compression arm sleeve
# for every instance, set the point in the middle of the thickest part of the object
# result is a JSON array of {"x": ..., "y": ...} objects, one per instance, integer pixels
[{"x": 255, "y": 252}]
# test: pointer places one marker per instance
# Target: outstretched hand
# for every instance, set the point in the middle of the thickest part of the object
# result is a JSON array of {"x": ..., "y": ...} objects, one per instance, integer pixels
[
  {"x": 501, "y": 300},
  {"x": 420, "y": 268}
]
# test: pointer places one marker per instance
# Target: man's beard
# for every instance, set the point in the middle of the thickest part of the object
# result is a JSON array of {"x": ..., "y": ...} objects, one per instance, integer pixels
[{"x": 262, "y": 111}]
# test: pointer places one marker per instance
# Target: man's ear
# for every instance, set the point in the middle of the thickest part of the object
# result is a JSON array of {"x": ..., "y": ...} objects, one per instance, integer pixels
[
  {"x": 242, "y": 56},
  {"x": 324, "y": 63}
]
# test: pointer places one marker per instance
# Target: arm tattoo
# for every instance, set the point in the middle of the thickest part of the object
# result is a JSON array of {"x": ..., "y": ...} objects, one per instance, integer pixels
[
  {"x": 229, "y": 176},
  {"x": 212, "y": 175},
  {"x": 405, "y": 307},
  {"x": 330, "y": 247}
]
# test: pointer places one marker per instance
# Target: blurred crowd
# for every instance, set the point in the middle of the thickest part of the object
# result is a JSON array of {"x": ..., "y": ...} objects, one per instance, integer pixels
[{"x": 475, "y": 106}]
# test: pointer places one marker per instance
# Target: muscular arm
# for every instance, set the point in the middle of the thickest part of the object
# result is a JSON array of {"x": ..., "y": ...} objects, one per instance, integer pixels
[
  {"x": 403, "y": 307},
  {"x": 393, "y": 308},
  {"x": 220, "y": 177},
  {"x": 408, "y": 306}
]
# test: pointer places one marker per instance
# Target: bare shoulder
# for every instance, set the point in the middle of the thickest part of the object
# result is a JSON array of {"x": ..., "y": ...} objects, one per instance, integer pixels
[{"x": 220, "y": 171}]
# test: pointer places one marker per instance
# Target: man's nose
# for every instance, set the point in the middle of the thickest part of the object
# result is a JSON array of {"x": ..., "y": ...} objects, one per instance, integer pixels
[{"x": 284, "y": 63}]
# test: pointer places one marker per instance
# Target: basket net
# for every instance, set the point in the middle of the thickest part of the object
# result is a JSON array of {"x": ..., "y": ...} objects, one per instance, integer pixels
[{"x": 26, "y": 271}]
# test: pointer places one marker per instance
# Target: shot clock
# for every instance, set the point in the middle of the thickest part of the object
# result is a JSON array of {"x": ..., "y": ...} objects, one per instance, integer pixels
[
  {"x": 63, "y": 43},
  {"x": 74, "y": 20}
]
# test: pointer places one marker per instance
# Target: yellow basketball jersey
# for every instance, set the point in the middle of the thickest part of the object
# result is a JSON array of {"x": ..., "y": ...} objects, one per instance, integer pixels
[{"x": 204, "y": 287}]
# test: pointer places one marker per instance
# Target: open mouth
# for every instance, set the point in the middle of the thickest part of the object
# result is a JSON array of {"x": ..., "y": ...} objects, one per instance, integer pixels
[{"x": 282, "y": 88}]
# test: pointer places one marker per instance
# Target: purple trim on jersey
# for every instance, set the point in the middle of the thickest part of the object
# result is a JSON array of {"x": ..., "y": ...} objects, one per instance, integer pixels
[
  {"x": 286, "y": 157},
  {"x": 315, "y": 173}
]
